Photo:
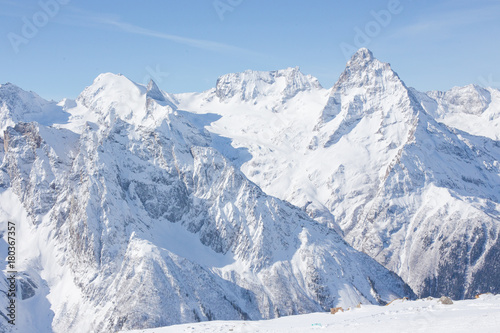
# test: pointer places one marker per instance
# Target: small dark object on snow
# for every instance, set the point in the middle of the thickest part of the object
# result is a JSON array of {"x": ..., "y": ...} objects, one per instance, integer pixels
[
  {"x": 445, "y": 300},
  {"x": 335, "y": 310}
]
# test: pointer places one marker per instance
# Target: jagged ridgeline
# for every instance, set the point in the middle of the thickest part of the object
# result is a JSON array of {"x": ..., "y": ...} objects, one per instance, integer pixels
[{"x": 129, "y": 216}]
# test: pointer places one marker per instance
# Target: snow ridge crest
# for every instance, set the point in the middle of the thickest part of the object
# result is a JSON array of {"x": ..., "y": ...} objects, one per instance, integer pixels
[{"x": 250, "y": 85}]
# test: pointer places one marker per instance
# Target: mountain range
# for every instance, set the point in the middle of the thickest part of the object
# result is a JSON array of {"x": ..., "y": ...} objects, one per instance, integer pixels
[{"x": 265, "y": 196}]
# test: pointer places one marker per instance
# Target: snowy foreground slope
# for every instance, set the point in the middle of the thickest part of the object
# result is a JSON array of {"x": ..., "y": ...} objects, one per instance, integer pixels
[
  {"x": 374, "y": 159},
  {"x": 128, "y": 217},
  {"x": 426, "y": 315}
]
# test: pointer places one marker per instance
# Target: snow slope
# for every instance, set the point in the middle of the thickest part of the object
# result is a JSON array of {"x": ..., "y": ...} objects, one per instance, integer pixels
[
  {"x": 424, "y": 315},
  {"x": 131, "y": 218}
]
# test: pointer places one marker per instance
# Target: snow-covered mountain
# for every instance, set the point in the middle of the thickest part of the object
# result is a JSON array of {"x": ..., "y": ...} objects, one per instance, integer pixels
[
  {"x": 19, "y": 105},
  {"x": 253, "y": 85},
  {"x": 365, "y": 157},
  {"x": 472, "y": 109},
  {"x": 129, "y": 216}
]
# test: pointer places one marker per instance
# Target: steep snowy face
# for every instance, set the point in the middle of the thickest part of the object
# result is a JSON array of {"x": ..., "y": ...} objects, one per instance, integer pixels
[
  {"x": 471, "y": 108},
  {"x": 388, "y": 158},
  {"x": 368, "y": 118},
  {"x": 138, "y": 207},
  {"x": 435, "y": 217},
  {"x": 250, "y": 85},
  {"x": 154, "y": 92},
  {"x": 366, "y": 89}
]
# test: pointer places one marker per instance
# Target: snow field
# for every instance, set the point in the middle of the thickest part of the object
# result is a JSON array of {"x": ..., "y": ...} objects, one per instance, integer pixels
[{"x": 424, "y": 315}]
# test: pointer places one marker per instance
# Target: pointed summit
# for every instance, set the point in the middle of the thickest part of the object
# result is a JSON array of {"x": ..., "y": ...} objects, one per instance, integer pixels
[
  {"x": 154, "y": 92},
  {"x": 363, "y": 55},
  {"x": 367, "y": 86},
  {"x": 111, "y": 86},
  {"x": 364, "y": 69}
]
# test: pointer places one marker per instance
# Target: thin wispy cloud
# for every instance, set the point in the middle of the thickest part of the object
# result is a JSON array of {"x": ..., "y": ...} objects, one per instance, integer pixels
[
  {"x": 198, "y": 43},
  {"x": 100, "y": 21}
]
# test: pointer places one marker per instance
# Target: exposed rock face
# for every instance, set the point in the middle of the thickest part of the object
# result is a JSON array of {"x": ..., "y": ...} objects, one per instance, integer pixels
[
  {"x": 251, "y": 85},
  {"x": 445, "y": 300}
]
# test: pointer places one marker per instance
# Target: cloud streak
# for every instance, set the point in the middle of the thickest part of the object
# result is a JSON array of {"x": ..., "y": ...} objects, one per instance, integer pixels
[
  {"x": 198, "y": 43},
  {"x": 103, "y": 22}
]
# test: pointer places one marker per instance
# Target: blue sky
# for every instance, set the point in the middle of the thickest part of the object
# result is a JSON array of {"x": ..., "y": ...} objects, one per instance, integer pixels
[{"x": 57, "y": 47}]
